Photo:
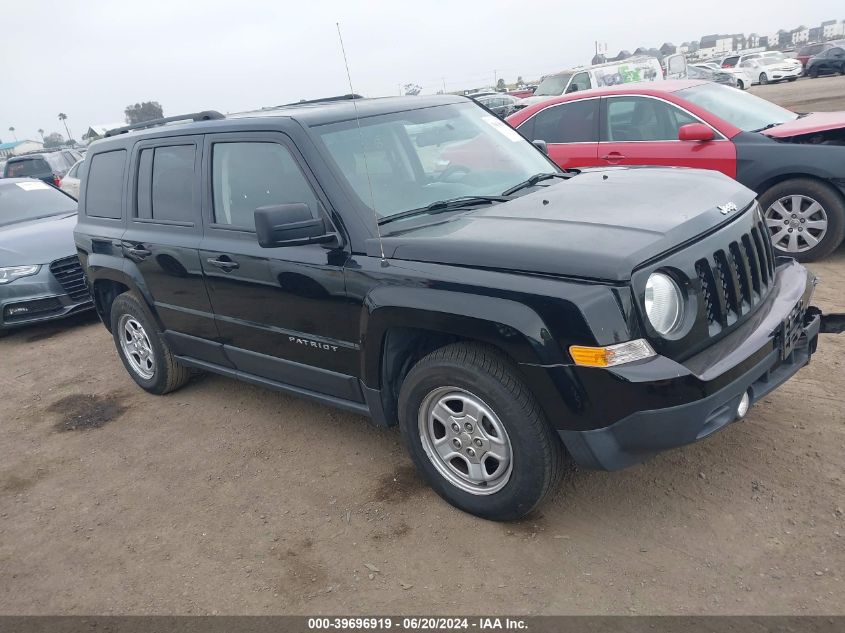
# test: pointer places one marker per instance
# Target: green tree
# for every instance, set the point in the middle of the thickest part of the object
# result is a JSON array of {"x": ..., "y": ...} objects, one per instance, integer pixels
[
  {"x": 41, "y": 132},
  {"x": 501, "y": 86},
  {"x": 12, "y": 130},
  {"x": 54, "y": 139},
  {"x": 144, "y": 111}
]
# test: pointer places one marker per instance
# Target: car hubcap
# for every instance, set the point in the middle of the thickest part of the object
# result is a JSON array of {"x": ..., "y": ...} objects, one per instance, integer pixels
[
  {"x": 797, "y": 223},
  {"x": 136, "y": 347},
  {"x": 465, "y": 440}
]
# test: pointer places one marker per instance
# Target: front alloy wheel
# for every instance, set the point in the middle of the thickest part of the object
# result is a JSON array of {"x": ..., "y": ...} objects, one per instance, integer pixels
[
  {"x": 797, "y": 223},
  {"x": 465, "y": 440}
]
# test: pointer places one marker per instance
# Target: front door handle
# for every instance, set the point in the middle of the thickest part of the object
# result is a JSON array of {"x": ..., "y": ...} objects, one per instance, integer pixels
[
  {"x": 613, "y": 157},
  {"x": 138, "y": 252},
  {"x": 226, "y": 265}
]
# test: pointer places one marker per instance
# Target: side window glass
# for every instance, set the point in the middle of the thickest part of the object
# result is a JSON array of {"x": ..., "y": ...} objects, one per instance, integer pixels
[
  {"x": 105, "y": 184},
  {"x": 573, "y": 122},
  {"x": 639, "y": 119},
  {"x": 249, "y": 175},
  {"x": 172, "y": 188},
  {"x": 581, "y": 81},
  {"x": 679, "y": 118}
]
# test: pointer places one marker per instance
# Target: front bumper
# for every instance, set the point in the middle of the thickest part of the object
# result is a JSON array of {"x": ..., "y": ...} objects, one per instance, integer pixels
[
  {"x": 781, "y": 74},
  {"x": 37, "y": 298},
  {"x": 778, "y": 340}
]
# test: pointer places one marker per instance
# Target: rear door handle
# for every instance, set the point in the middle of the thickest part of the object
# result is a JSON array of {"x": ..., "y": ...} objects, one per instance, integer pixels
[{"x": 226, "y": 265}]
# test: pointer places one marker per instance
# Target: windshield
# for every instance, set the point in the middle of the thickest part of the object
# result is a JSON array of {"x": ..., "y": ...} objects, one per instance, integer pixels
[
  {"x": 739, "y": 108},
  {"x": 417, "y": 157},
  {"x": 553, "y": 85},
  {"x": 31, "y": 199}
]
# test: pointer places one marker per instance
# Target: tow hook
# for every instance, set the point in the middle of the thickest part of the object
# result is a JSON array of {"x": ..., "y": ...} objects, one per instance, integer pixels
[{"x": 832, "y": 324}]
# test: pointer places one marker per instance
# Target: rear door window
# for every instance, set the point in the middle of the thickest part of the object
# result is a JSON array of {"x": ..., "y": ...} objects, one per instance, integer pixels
[
  {"x": 166, "y": 179},
  {"x": 572, "y": 122},
  {"x": 105, "y": 184}
]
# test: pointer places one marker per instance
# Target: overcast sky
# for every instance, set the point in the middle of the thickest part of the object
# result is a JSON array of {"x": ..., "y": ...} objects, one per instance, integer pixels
[{"x": 91, "y": 59}]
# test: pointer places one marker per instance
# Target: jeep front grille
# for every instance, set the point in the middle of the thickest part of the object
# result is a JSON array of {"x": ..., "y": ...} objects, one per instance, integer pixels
[
  {"x": 736, "y": 279},
  {"x": 69, "y": 274}
]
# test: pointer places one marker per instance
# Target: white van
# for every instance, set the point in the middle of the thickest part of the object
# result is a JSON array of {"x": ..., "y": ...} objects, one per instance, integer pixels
[{"x": 640, "y": 68}]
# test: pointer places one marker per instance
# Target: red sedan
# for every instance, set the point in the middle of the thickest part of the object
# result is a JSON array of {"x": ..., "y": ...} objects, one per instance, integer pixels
[{"x": 795, "y": 162}]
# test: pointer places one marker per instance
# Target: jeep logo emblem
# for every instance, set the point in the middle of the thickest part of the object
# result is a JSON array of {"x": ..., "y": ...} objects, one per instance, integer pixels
[{"x": 726, "y": 208}]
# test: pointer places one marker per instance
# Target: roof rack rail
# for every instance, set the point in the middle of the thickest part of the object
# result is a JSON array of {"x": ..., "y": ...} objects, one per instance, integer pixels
[
  {"x": 346, "y": 97},
  {"x": 205, "y": 115}
]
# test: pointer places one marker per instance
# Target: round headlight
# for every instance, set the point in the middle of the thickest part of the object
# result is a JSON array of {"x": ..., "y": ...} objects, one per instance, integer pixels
[{"x": 663, "y": 303}]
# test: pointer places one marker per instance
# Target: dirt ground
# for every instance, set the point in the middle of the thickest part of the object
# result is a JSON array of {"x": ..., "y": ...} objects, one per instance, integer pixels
[{"x": 226, "y": 498}]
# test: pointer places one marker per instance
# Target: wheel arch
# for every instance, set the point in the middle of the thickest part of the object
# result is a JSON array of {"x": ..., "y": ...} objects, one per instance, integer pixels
[
  {"x": 108, "y": 283},
  {"x": 401, "y": 332}
]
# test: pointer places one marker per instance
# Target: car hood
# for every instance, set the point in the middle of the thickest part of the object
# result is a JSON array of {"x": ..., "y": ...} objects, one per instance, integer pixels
[
  {"x": 809, "y": 124},
  {"x": 37, "y": 241},
  {"x": 599, "y": 225}
]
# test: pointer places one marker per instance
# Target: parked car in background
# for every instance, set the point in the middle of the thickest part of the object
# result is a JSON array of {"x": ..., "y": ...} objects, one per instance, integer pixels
[
  {"x": 795, "y": 163},
  {"x": 641, "y": 68},
  {"x": 766, "y": 67},
  {"x": 497, "y": 311},
  {"x": 2, "y": 166},
  {"x": 744, "y": 79},
  {"x": 70, "y": 182},
  {"x": 829, "y": 61},
  {"x": 47, "y": 165},
  {"x": 810, "y": 50},
  {"x": 695, "y": 71},
  {"x": 40, "y": 275},
  {"x": 522, "y": 92},
  {"x": 499, "y": 103}
]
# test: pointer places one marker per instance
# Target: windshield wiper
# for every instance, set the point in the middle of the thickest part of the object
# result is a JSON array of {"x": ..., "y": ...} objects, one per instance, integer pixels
[
  {"x": 441, "y": 206},
  {"x": 533, "y": 180}
]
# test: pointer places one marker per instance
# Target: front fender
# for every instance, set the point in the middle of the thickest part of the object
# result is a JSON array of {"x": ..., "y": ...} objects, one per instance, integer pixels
[{"x": 513, "y": 327}]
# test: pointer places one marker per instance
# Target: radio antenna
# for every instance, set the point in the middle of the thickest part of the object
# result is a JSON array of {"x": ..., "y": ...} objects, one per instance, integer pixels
[{"x": 363, "y": 146}]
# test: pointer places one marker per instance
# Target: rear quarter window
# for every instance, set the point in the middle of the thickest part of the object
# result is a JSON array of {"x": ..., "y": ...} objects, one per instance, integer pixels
[{"x": 104, "y": 187}]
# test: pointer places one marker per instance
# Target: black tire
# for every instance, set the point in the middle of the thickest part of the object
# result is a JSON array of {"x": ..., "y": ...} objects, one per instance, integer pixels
[
  {"x": 791, "y": 79},
  {"x": 834, "y": 207},
  {"x": 813, "y": 73},
  {"x": 4, "y": 333},
  {"x": 740, "y": 84},
  {"x": 487, "y": 374},
  {"x": 764, "y": 79},
  {"x": 842, "y": 69},
  {"x": 168, "y": 374}
]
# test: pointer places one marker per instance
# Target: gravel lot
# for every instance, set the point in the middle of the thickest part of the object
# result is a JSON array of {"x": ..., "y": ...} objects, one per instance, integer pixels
[{"x": 225, "y": 498}]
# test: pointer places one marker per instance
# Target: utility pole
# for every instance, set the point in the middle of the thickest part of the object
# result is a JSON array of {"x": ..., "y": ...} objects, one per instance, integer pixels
[
  {"x": 495, "y": 77},
  {"x": 443, "y": 79}
]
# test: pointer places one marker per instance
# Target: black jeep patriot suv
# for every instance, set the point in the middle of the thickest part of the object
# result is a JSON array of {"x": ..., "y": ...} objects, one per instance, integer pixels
[{"x": 417, "y": 261}]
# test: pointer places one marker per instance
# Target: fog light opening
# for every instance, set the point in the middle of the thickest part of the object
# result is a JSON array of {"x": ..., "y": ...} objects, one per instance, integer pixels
[{"x": 744, "y": 405}]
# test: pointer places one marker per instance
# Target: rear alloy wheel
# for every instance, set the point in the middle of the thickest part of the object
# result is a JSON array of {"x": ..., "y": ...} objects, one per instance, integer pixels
[
  {"x": 764, "y": 79},
  {"x": 143, "y": 350},
  {"x": 806, "y": 218},
  {"x": 476, "y": 432}
]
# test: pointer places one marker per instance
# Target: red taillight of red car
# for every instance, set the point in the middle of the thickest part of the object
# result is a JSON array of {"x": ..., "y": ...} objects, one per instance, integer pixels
[{"x": 57, "y": 181}]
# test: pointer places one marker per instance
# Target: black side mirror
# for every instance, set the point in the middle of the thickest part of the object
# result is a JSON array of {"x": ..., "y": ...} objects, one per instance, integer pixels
[
  {"x": 541, "y": 145},
  {"x": 290, "y": 225}
]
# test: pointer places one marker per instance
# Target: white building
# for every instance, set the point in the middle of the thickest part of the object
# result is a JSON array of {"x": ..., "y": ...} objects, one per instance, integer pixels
[
  {"x": 833, "y": 29},
  {"x": 801, "y": 35},
  {"x": 19, "y": 147}
]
